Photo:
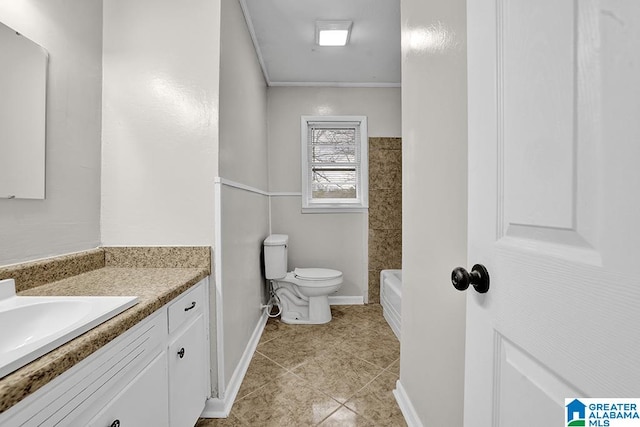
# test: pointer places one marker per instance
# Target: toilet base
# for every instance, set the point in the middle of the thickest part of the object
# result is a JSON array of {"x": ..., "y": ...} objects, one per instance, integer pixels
[
  {"x": 318, "y": 313},
  {"x": 299, "y": 311}
]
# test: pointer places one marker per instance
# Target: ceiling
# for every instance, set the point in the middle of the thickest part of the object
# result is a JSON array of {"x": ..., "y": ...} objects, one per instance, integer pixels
[{"x": 283, "y": 32}]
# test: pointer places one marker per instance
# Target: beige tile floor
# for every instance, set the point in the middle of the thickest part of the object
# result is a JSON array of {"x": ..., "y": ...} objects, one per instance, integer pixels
[{"x": 338, "y": 374}]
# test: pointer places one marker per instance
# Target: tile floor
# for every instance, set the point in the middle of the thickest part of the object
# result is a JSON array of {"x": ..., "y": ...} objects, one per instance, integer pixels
[{"x": 338, "y": 374}]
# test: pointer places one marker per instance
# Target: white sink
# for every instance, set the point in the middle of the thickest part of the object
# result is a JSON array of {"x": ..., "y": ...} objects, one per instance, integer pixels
[{"x": 33, "y": 326}]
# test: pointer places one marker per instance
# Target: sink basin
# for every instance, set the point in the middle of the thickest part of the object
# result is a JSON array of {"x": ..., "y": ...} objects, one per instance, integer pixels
[{"x": 32, "y": 326}]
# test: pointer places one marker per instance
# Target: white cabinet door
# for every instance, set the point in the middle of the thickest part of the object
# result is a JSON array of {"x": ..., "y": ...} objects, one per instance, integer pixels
[
  {"x": 144, "y": 402},
  {"x": 188, "y": 374},
  {"x": 554, "y": 213}
]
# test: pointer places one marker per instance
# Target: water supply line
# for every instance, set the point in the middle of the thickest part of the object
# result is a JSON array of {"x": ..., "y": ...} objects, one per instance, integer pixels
[{"x": 273, "y": 300}]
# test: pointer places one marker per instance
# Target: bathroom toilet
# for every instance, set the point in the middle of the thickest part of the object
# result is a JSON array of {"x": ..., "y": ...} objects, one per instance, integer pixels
[{"x": 303, "y": 292}]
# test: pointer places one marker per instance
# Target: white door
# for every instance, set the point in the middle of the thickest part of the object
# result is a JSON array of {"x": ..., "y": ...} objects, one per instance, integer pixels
[{"x": 554, "y": 207}]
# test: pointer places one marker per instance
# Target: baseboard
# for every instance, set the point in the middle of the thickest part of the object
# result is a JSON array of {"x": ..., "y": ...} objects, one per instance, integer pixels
[
  {"x": 346, "y": 300},
  {"x": 408, "y": 411},
  {"x": 216, "y": 407}
]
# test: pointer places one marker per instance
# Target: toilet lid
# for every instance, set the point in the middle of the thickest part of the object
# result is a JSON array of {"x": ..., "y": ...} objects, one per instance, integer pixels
[{"x": 316, "y": 273}]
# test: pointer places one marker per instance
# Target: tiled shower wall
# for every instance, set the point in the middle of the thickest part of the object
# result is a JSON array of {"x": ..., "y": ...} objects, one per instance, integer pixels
[{"x": 385, "y": 210}]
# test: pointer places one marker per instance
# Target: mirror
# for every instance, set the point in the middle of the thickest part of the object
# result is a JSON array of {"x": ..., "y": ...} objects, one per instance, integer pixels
[{"x": 23, "y": 86}]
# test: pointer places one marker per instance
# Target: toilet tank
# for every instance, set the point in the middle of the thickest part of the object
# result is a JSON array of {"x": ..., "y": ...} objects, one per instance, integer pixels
[{"x": 275, "y": 256}]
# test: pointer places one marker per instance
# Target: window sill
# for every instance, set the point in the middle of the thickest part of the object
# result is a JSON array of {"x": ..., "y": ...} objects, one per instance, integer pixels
[{"x": 334, "y": 209}]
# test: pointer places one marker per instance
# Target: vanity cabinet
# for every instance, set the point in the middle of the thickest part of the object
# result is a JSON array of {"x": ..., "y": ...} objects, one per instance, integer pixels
[
  {"x": 187, "y": 355},
  {"x": 143, "y": 402},
  {"x": 155, "y": 374}
]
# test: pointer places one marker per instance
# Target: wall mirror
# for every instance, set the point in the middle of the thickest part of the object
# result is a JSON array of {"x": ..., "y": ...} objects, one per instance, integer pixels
[{"x": 23, "y": 87}]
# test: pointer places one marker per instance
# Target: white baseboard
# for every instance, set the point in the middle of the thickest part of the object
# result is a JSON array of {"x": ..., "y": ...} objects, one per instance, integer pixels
[
  {"x": 221, "y": 407},
  {"x": 215, "y": 407},
  {"x": 408, "y": 411},
  {"x": 346, "y": 300}
]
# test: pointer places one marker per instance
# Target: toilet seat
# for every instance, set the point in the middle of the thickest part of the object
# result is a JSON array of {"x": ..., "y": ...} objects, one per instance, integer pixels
[{"x": 316, "y": 274}]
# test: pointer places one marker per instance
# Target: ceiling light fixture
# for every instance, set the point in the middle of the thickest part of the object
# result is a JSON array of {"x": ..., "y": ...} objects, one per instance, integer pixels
[{"x": 333, "y": 33}]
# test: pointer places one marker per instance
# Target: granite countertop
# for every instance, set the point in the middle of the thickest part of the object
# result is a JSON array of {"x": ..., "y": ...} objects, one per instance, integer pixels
[{"x": 154, "y": 287}]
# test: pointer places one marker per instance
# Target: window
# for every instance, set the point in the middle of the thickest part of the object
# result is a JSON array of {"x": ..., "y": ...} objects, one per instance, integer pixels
[{"x": 334, "y": 163}]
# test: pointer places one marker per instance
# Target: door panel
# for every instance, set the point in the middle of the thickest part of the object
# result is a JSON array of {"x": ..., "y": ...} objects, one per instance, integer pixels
[
  {"x": 553, "y": 90},
  {"x": 523, "y": 383},
  {"x": 536, "y": 75}
]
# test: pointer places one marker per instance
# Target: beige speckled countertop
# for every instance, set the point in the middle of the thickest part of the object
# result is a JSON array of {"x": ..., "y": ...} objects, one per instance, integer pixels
[{"x": 154, "y": 287}]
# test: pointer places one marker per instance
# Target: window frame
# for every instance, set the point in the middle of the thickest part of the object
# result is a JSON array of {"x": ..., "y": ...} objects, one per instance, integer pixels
[{"x": 335, "y": 205}]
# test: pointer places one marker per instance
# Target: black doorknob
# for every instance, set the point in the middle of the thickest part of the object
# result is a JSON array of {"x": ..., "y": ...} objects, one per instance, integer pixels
[
  {"x": 479, "y": 278},
  {"x": 181, "y": 352}
]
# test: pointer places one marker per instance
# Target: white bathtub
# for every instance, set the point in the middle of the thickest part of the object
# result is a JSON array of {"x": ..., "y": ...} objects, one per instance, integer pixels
[{"x": 391, "y": 298}]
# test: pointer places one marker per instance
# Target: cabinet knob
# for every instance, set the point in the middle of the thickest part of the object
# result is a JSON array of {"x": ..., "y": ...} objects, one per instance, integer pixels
[
  {"x": 116, "y": 423},
  {"x": 192, "y": 306},
  {"x": 181, "y": 352}
]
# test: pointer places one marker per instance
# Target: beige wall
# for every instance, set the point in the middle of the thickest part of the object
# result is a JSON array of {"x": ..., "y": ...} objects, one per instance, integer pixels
[
  {"x": 160, "y": 122},
  {"x": 68, "y": 220},
  {"x": 160, "y": 125},
  {"x": 338, "y": 240},
  {"x": 243, "y": 158},
  {"x": 335, "y": 241},
  {"x": 245, "y": 224},
  {"x": 243, "y": 103},
  {"x": 434, "y": 128}
]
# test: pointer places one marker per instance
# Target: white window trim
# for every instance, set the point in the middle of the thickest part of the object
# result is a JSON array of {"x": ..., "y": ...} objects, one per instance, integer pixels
[{"x": 335, "y": 205}]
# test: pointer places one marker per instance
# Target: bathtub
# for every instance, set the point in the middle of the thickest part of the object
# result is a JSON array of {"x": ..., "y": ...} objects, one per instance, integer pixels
[{"x": 391, "y": 298}]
